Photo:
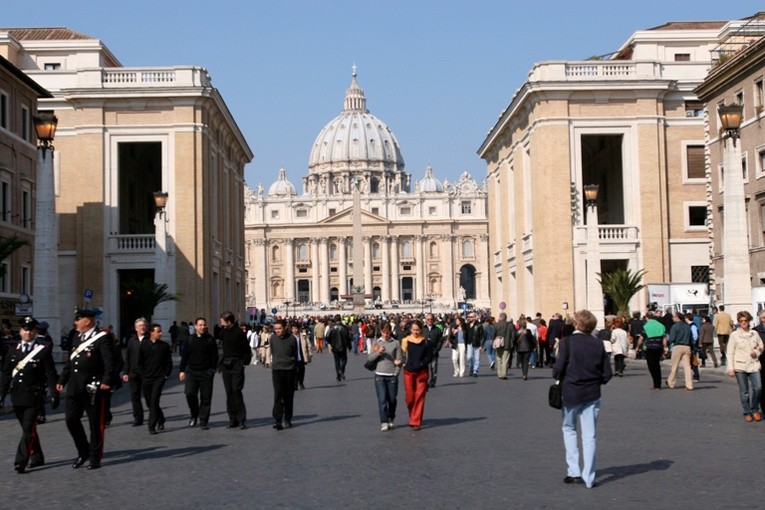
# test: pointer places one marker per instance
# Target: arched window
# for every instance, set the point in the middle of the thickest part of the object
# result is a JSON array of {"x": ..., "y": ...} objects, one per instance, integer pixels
[
  {"x": 302, "y": 251},
  {"x": 374, "y": 185},
  {"x": 467, "y": 248},
  {"x": 434, "y": 250},
  {"x": 333, "y": 251},
  {"x": 276, "y": 255},
  {"x": 375, "y": 250}
]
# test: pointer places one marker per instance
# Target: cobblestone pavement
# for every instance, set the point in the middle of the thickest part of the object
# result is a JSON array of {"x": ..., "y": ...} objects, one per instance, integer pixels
[{"x": 485, "y": 443}]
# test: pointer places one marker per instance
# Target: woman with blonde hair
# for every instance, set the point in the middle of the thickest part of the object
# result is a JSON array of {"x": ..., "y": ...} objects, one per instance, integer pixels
[{"x": 744, "y": 349}]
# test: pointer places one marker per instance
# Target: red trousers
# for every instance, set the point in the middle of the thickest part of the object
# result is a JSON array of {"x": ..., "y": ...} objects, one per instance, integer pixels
[{"x": 415, "y": 387}]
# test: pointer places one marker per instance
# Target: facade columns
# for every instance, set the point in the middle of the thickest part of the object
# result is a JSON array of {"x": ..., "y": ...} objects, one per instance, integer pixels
[
  {"x": 483, "y": 254},
  {"x": 259, "y": 273},
  {"x": 343, "y": 265},
  {"x": 324, "y": 270},
  {"x": 315, "y": 270},
  {"x": 368, "y": 265},
  {"x": 447, "y": 249},
  {"x": 289, "y": 283},
  {"x": 394, "y": 279},
  {"x": 420, "y": 254},
  {"x": 385, "y": 268}
]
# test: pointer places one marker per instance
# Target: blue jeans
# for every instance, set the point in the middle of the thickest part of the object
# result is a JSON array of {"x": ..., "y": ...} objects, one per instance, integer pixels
[
  {"x": 387, "y": 391},
  {"x": 473, "y": 358},
  {"x": 490, "y": 354},
  {"x": 744, "y": 379},
  {"x": 588, "y": 418}
]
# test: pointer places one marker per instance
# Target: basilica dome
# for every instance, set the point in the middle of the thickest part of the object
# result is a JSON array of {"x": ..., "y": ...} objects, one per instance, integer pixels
[
  {"x": 430, "y": 184},
  {"x": 356, "y": 137},
  {"x": 282, "y": 186}
]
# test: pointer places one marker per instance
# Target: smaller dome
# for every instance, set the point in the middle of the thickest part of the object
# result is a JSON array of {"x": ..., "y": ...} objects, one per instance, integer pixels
[
  {"x": 282, "y": 186},
  {"x": 430, "y": 184}
]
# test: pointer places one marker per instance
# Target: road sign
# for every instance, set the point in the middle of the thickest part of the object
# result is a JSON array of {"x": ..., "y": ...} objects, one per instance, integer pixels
[
  {"x": 88, "y": 295},
  {"x": 464, "y": 306},
  {"x": 273, "y": 310},
  {"x": 502, "y": 305}
]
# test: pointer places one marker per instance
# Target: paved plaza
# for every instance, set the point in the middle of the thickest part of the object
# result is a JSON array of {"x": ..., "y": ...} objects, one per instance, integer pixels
[{"x": 485, "y": 443}]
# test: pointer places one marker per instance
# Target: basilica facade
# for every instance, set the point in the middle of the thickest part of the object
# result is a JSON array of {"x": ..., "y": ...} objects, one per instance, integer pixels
[{"x": 421, "y": 241}]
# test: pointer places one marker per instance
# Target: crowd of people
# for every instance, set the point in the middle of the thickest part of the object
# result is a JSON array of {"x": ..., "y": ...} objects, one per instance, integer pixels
[{"x": 580, "y": 355}]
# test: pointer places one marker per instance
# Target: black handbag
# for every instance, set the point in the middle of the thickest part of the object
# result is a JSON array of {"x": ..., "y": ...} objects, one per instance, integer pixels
[
  {"x": 371, "y": 364},
  {"x": 555, "y": 396}
]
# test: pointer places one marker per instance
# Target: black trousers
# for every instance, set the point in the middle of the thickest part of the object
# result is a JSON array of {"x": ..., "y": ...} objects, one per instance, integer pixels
[
  {"x": 653, "y": 360},
  {"x": 433, "y": 370},
  {"x": 136, "y": 392},
  {"x": 341, "y": 359},
  {"x": 29, "y": 445},
  {"x": 524, "y": 358},
  {"x": 199, "y": 390},
  {"x": 284, "y": 393},
  {"x": 77, "y": 405},
  {"x": 233, "y": 382},
  {"x": 152, "y": 392},
  {"x": 300, "y": 373}
]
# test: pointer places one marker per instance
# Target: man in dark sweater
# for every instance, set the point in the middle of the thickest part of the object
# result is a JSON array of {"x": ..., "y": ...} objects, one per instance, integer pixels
[
  {"x": 284, "y": 356},
  {"x": 132, "y": 372},
  {"x": 156, "y": 363},
  {"x": 339, "y": 340},
  {"x": 197, "y": 370},
  {"x": 236, "y": 355}
]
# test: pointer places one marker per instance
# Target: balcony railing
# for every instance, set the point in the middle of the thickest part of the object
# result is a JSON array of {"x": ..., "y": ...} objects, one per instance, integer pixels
[
  {"x": 132, "y": 243},
  {"x": 616, "y": 70},
  {"x": 609, "y": 234}
]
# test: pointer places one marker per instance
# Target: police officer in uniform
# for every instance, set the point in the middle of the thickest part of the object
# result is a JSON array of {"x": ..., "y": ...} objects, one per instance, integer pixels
[
  {"x": 88, "y": 380},
  {"x": 27, "y": 369}
]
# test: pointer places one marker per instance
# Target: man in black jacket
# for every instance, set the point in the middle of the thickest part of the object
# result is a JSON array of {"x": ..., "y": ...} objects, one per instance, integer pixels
[
  {"x": 435, "y": 338},
  {"x": 236, "y": 355},
  {"x": 339, "y": 340},
  {"x": 197, "y": 370},
  {"x": 88, "y": 377},
  {"x": 25, "y": 373},
  {"x": 132, "y": 373},
  {"x": 284, "y": 352},
  {"x": 473, "y": 341},
  {"x": 156, "y": 363}
]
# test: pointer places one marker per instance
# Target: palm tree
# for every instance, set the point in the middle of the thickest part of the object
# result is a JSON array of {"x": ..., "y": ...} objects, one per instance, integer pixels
[
  {"x": 7, "y": 246},
  {"x": 146, "y": 295},
  {"x": 621, "y": 285}
]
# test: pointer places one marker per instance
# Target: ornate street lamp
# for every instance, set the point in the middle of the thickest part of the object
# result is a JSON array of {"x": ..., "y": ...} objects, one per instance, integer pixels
[
  {"x": 730, "y": 119},
  {"x": 591, "y": 194},
  {"x": 160, "y": 200},
  {"x": 45, "y": 126},
  {"x": 594, "y": 290}
]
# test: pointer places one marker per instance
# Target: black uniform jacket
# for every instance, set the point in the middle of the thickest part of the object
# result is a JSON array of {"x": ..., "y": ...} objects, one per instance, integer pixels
[
  {"x": 93, "y": 364},
  {"x": 29, "y": 384}
]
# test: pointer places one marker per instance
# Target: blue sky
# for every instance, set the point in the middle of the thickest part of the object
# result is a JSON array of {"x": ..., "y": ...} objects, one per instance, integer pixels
[{"x": 437, "y": 72}]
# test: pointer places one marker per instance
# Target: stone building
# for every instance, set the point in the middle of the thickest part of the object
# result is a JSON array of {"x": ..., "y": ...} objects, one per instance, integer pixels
[
  {"x": 422, "y": 240},
  {"x": 123, "y": 134},
  {"x": 630, "y": 123}
]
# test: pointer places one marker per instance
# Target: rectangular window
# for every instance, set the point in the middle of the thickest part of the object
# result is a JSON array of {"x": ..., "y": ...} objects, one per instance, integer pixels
[
  {"x": 301, "y": 213},
  {"x": 694, "y": 109},
  {"x": 761, "y": 160},
  {"x": 274, "y": 214},
  {"x": 26, "y": 210},
  {"x": 26, "y": 123},
  {"x": 5, "y": 279},
  {"x": 406, "y": 211},
  {"x": 52, "y": 66},
  {"x": 431, "y": 211},
  {"x": 682, "y": 57},
  {"x": 5, "y": 201},
  {"x": 694, "y": 162},
  {"x": 744, "y": 169},
  {"x": 762, "y": 222},
  {"x": 376, "y": 269},
  {"x": 759, "y": 94},
  {"x": 740, "y": 100},
  {"x": 4, "y": 105},
  {"x": 466, "y": 206},
  {"x": 333, "y": 270},
  {"x": 697, "y": 216},
  {"x": 332, "y": 212},
  {"x": 376, "y": 210},
  {"x": 26, "y": 281},
  {"x": 700, "y": 274}
]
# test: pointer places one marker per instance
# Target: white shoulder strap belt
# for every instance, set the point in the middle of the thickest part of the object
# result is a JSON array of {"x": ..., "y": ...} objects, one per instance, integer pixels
[
  {"x": 84, "y": 345},
  {"x": 20, "y": 366}
]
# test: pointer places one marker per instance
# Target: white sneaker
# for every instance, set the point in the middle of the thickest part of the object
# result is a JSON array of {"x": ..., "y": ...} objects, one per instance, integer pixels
[
  {"x": 384, "y": 427},
  {"x": 390, "y": 425}
]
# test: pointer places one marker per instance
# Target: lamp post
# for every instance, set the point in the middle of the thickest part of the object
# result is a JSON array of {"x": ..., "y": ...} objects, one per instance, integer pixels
[
  {"x": 161, "y": 313},
  {"x": 358, "y": 289},
  {"x": 45, "y": 286},
  {"x": 737, "y": 292},
  {"x": 594, "y": 290},
  {"x": 287, "y": 306}
]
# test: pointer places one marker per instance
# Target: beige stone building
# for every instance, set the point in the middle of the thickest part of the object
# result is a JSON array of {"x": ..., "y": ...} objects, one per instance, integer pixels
[
  {"x": 123, "y": 134},
  {"x": 738, "y": 78},
  {"x": 630, "y": 123},
  {"x": 18, "y": 165},
  {"x": 420, "y": 242}
]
